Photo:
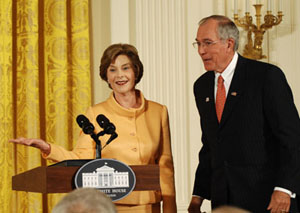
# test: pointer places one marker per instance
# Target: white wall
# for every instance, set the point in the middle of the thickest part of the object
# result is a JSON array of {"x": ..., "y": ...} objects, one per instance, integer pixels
[{"x": 162, "y": 31}]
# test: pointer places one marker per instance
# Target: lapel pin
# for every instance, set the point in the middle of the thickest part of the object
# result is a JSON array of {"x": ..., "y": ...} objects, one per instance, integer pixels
[
  {"x": 207, "y": 99},
  {"x": 233, "y": 93}
]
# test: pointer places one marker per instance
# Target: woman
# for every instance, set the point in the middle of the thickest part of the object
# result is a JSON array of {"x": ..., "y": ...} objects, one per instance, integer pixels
[{"x": 142, "y": 126}]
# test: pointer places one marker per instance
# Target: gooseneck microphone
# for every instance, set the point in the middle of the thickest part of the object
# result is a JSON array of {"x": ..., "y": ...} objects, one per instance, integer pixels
[
  {"x": 108, "y": 127},
  {"x": 88, "y": 128}
]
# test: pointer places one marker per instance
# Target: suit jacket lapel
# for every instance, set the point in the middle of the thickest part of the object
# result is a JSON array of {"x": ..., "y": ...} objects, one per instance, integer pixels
[
  {"x": 235, "y": 90},
  {"x": 209, "y": 97},
  {"x": 211, "y": 94}
]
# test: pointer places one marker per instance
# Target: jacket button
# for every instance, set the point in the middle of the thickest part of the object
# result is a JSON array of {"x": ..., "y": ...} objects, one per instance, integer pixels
[
  {"x": 132, "y": 134},
  {"x": 134, "y": 149}
]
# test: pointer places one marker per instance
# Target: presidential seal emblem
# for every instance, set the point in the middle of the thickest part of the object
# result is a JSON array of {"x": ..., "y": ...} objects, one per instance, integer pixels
[{"x": 114, "y": 178}]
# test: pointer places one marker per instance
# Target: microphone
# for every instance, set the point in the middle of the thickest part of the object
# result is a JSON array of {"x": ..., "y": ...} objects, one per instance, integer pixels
[
  {"x": 102, "y": 120},
  {"x": 88, "y": 128},
  {"x": 84, "y": 123},
  {"x": 108, "y": 127}
]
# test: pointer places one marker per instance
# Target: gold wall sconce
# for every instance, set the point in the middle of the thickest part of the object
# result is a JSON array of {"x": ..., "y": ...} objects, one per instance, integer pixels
[{"x": 252, "y": 49}]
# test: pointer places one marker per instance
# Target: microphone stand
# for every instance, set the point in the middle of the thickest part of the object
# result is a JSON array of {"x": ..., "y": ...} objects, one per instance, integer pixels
[
  {"x": 98, "y": 151},
  {"x": 98, "y": 143}
]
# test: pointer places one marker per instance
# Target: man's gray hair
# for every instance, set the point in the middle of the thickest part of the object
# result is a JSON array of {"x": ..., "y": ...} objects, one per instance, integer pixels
[
  {"x": 85, "y": 200},
  {"x": 226, "y": 28}
]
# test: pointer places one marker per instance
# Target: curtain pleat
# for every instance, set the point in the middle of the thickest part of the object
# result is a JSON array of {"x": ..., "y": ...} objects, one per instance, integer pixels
[
  {"x": 6, "y": 102},
  {"x": 44, "y": 84},
  {"x": 26, "y": 104}
]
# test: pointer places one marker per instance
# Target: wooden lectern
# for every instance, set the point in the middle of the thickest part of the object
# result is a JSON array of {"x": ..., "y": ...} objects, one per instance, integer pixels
[{"x": 59, "y": 178}]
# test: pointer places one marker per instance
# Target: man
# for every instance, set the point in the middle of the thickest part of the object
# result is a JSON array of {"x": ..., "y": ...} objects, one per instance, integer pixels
[{"x": 250, "y": 156}]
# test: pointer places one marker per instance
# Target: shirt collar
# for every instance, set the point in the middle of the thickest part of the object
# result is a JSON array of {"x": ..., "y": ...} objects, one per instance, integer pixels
[{"x": 227, "y": 74}]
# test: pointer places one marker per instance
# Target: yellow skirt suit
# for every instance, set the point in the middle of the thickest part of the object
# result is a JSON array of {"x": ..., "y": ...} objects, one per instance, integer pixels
[{"x": 144, "y": 138}]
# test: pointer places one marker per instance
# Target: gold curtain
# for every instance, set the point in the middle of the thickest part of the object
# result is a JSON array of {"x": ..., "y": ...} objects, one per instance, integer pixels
[{"x": 44, "y": 84}]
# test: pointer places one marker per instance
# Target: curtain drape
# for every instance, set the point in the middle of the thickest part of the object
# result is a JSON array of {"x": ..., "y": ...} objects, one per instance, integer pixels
[{"x": 44, "y": 84}]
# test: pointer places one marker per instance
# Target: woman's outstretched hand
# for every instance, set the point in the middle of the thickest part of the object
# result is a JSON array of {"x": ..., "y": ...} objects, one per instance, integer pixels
[{"x": 37, "y": 143}]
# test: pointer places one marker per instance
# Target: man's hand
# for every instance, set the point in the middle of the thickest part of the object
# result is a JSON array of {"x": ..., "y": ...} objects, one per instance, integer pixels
[
  {"x": 195, "y": 205},
  {"x": 280, "y": 202}
]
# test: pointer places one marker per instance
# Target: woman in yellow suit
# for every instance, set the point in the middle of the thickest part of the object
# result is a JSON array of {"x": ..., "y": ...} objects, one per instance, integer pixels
[{"x": 142, "y": 126}]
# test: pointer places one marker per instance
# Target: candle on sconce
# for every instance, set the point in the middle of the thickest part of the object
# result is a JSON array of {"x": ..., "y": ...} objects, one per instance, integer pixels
[
  {"x": 235, "y": 6},
  {"x": 247, "y": 6},
  {"x": 280, "y": 5},
  {"x": 269, "y": 5}
]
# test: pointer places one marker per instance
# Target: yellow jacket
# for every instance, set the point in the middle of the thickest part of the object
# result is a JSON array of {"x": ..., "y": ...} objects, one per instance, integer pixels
[{"x": 143, "y": 138}]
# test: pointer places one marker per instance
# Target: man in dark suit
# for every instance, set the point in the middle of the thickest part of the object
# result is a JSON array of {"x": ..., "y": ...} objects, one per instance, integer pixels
[{"x": 250, "y": 156}]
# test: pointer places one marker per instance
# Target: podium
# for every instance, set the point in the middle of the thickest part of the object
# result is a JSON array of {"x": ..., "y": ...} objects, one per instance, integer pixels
[{"x": 59, "y": 178}]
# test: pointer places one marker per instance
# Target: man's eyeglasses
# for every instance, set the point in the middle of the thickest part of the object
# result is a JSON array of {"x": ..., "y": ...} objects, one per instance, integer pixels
[{"x": 204, "y": 44}]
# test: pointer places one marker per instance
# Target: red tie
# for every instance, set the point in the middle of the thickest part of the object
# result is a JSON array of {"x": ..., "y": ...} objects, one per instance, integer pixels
[{"x": 220, "y": 98}]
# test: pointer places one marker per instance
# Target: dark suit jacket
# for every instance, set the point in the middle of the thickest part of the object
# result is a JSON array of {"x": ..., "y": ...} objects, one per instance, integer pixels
[{"x": 256, "y": 146}]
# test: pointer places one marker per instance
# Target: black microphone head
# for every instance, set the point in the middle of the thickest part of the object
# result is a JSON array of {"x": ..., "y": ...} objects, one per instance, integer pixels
[
  {"x": 81, "y": 120},
  {"x": 104, "y": 123},
  {"x": 88, "y": 129},
  {"x": 102, "y": 120},
  {"x": 110, "y": 128},
  {"x": 85, "y": 124}
]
